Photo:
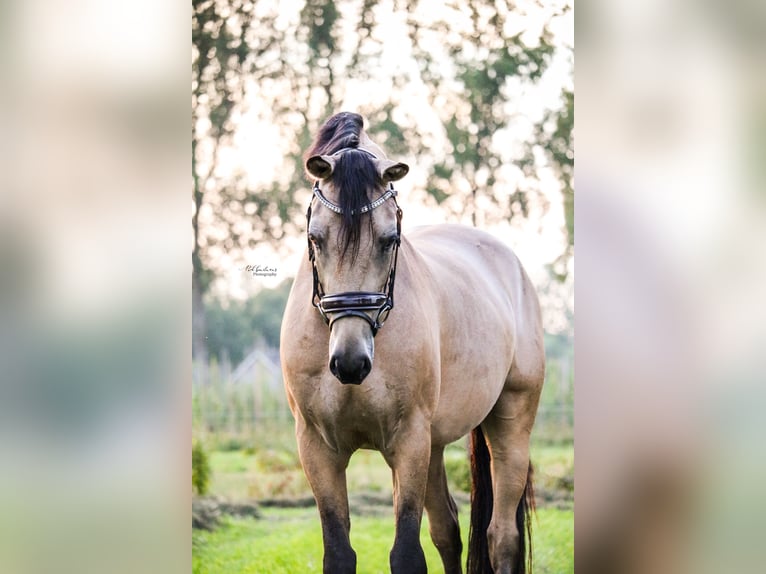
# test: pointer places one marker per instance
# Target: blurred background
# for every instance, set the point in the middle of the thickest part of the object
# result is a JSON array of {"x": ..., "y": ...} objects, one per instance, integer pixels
[
  {"x": 477, "y": 97},
  {"x": 94, "y": 290},
  {"x": 670, "y": 291},
  {"x": 95, "y": 402}
]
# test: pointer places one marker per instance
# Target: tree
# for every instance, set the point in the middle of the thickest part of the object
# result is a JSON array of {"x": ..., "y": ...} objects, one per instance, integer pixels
[
  {"x": 219, "y": 62},
  {"x": 293, "y": 66},
  {"x": 234, "y": 328},
  {"x": 238, "y": 46},
  {"x": 554, "y": 135},
  {"x": 489, "y": 65}
]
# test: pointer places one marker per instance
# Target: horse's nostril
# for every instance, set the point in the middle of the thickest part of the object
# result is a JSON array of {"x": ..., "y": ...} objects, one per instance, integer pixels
[
  {"x": 334, "y": 365},
  {"x": 366, "y": 368}
]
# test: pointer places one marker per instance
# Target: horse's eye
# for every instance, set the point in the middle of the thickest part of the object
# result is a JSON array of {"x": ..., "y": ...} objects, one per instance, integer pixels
[
  {"x": 315, "y": 241},
  {"x": 386, "y": 243}
]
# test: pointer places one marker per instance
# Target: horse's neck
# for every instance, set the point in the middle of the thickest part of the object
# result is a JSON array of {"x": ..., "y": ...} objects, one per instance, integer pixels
[
  {"x": 366, "y": 143},
  {"x": 411, "y": 260}
]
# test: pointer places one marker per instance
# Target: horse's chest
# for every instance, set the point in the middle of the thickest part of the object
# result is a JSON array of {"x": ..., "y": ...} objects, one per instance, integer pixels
[{"x": 356, "y": 417}]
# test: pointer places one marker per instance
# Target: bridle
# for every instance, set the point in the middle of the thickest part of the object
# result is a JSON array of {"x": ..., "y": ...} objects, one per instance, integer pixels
[{"x": 337, "y": 306}]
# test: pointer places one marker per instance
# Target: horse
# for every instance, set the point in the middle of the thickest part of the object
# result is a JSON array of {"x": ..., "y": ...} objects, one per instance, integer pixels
[{"x": 461, "y": 352}]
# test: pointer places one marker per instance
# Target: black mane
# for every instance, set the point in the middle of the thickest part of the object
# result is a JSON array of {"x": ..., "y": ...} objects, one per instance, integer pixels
[
  {"x": 341, "y": 130},
  {"x": 355, "y": 176}
]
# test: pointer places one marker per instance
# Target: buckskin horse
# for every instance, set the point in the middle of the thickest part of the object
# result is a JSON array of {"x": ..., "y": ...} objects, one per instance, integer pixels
[{"x": 461, "y": 352}]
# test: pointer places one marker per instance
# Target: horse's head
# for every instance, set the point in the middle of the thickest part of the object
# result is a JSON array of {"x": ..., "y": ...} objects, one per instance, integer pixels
[{"x": 354, "y": 232}]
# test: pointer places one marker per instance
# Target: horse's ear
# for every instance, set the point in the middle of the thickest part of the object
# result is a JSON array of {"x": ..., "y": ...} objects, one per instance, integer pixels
[
  {"x": 320, "y": 166},
  {"x": 392, "y": 170}
]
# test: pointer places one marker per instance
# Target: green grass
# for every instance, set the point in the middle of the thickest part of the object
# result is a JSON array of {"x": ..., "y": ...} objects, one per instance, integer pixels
[
  {"x": 276, "y": 472},
  {"x": 287, "y": 541},
  {"x": 290, "y": 540},
  {"x": 239, "y": 475},
  {"x": 552, "y": 463}
]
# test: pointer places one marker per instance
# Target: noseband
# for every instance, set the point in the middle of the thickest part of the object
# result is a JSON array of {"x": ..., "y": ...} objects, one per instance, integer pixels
[{"x": 356, "y": 303}]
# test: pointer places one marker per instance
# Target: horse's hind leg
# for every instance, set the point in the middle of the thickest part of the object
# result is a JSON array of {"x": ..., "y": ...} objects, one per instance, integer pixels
[
  {"x": 442, "y": 515},
  {"x": 507, "y": 429}
]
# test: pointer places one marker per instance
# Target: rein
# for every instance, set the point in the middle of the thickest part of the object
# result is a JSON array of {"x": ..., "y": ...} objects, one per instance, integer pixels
[{"x": 356, "y": 303}]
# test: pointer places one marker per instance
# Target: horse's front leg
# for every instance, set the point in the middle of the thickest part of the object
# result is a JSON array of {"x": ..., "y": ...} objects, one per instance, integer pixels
[
  {"x": 409, "y": 458},
  {"x": 326, "y": 472}
]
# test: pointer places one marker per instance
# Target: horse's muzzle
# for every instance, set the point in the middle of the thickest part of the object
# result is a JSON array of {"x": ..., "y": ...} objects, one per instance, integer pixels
[{"x": 350, "y": 370}]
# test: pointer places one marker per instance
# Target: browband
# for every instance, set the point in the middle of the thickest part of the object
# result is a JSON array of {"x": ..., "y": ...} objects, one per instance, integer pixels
[{"x": 391, "y": 192}]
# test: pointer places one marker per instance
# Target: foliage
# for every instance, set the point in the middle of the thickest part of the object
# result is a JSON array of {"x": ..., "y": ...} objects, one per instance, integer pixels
[
  {"x": 233, "y": 329},
  {"x": 225, "y": 48},
  {"x": 200, "y": 469},
  {"x": 488, "y": 60},
  {"x": 291, "y": 67},
  {"x": 239, "y": 46},
  {"x": 559, "y": 377},
  {"x": 555, "y": 136},
  {"x": 458, "y": 468},
  {"x": 290, "y": 540},
  {"x": 271, "y": 469},
  {"x": 219, "y": 64}
]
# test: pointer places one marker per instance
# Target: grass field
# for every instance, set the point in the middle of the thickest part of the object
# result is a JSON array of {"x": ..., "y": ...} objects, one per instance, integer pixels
[
  {"x": 277, "y": 473},
  {"x": 287, "y": 541}
]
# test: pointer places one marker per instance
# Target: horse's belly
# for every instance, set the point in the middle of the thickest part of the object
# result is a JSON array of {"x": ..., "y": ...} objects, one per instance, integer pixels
[
  {"x": 464, "y": 403},
  {"x": 475, "y": 361}
]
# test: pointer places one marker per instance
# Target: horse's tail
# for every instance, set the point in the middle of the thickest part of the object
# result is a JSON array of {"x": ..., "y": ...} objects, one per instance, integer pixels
[
  {"x": 524, "y": 512},
  {"x": 481, "y": 512},
  {"x": 481, "y": 506}
]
